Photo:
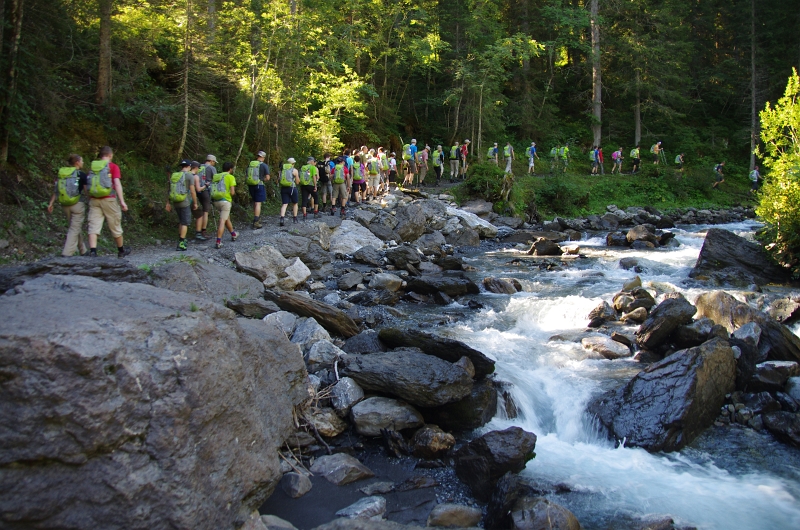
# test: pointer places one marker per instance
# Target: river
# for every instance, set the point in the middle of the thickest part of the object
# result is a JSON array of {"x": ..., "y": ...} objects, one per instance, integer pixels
[{"x": 729, "y": 478}]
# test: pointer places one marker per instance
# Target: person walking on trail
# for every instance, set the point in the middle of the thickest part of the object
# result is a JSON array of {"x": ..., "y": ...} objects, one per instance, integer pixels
[
  {"x": 637, "y": 162},
  {"x": 223, "y": 188},
  {"x": 392, "y": 171},
  {"x": 593, "y": 160},
  {"x": 616, "y": 156},
  {"x": 359, "y": 180},
  {"x": 384, "y": 170},
  {"x": 755, "y": 176},
  {"x": 183, "y": 198},
  {"x": 601, "y": 160},
  {"x": 289, "y": 181},
  {"x": 492, "y": 154},
  {"x": 412, "y": 160},
  {"x": 554, "y": 158},
  {"x": 257, "y": 174},
  {"x": 564, "y": 154},
  {"x": 679, "y": 163},
  {"x": 423, "y": 164},
  {"x": 656, "y": 150},
  {"x": 107, "y": 201},
  {"x": 455, "y": 158},
  {"x": 464, "y": 155},
  {"x": 202, "y": 181},
  {"x": 374, "y": 172},
  {"x": 438, "y": 163},
  {"x": 531, "y": 152},
  {"x": 508, "y": 154},
  {"x": 309, "y": 177},
  {"x": 340, "y": 180},
  {"x": 718, "y": 174},
  {"x": 324, "y": 185},
  {"x": 69, "y": 190}
]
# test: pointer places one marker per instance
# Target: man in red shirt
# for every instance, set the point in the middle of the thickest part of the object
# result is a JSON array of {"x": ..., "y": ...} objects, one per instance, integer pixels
[
  {"x": 464, "y": 152},
  {"x": 107, "y": 202}
]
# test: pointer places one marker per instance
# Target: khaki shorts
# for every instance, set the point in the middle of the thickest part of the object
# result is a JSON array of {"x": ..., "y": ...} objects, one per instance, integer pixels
[
  {"x": 339, "y": 190},
  {"x": 224, "y": 208},
  {"x": 107, "y": 210}
]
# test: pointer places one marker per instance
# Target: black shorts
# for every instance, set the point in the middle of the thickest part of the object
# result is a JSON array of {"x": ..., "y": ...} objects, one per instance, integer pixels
[
  {"x": 258, "y": 193},
  {"x": 655, "y": 157},
  {"x": 204, "y": 201},
  {"x": 392, "y": 175},
  {"x": 637, "y": 161},
  {"x": 307, "y": 194},
  {"x": 288, "y": 195},
  {"x": 184, "y": 215},
  {"x": 359, "y": 186},
  {"x": 680, "y": 165}
]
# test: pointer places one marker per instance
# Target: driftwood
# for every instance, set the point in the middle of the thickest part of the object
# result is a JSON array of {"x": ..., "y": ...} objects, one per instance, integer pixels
[{"x": 333, "y": 319}]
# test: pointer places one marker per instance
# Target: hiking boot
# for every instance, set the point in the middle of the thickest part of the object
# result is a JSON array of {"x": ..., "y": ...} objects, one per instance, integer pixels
[
  {"x": 333, "y": 211},
  {"x": 316, "y": 215},
  {"x": 305, "y": 217},
  {"x": 342, "y": 214},
  {"x": 181, "y": 245},
  {"x": 234, "y": 235},
  {"x": 204, "y": 234},
  {"x": 294, "y": 219},
  {"x": 257, "y": 224},
  {"x": 218, "y": 244},
  {"x": 200, "y": 236},
  {"x": 124, "y": 252},
  {"x": 283, "y": 221},
  {"x": 92, "y": 253}
]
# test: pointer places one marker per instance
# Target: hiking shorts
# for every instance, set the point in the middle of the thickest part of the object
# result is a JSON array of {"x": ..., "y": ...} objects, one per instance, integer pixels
[
  {"x": 105, "y": 210},
  {"x": 224, "y": 209},
  {"x": 655, "y": 157},
  {"x": 719, "y": 177},
  {"x": 412, "y": 166},
  {"x": 360, "y": 186},
  {"x": 637, "y": 161},
  {"x": 184, "y": 214},
  {"x": 258, "y": 193},
  {"x": 530, "y": 161},
  {"x": 326, "y": 188},
  {"x": 204, "y": 201},
  {"x": 339, "y": 192},
  {"x": 288, "y": 195},
  {"x": 308, "y": 194},
  {"x": 392, "y": 176},
  {"x": 374, "y": 181}
]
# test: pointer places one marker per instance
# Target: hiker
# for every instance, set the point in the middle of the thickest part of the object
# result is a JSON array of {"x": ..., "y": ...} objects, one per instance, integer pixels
[
  {"x": 374, "y": 172},
  {"x": 392, "y": 170},
  {"x": 755, "y": 176},
  {"x": 257, "y": 174},
  {"x": 491, "y": 154},
  {"x": 600, "y": 160},
  {"x": 289, "y": 181},
  {"x": 455, "y": 158},
  {"x": 554, "y": 158},
  {"x": 202, "y": 181},
  {"x": 531, "y": 152},
  {"x": 384, "y": 170},
  {"x": 655, "y": 149},
  {"x": 718, "y": 174},
  {"x": 340, "y": 177},
  {"x": 223, "y": 188},
  {"x": 309, "y": 176},
  {"x": 107, "y": 201},
  {"x": 324, "y": 170},
  {"x": 412, "y": 160},
  {"x": 508, "y": 154},
  {"x": 564, "y": 154},
  {"x": 636, "y": 160},
  {"x": 593, "y": 160},
  {"x": 359, "y": 180},
  {"x": 616, "y": 156},
  {"x": 679, "y": 162},
  {"x": 69, "y": 187},
  {"x": 438, "y": 162},
  {"x": 183, "y": 197},
  {"x": 422, "y": 164},
  {"x": 464, "y": 152}
]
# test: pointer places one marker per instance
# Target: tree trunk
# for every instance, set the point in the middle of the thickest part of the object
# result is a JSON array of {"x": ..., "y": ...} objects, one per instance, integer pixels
[
  {"x": 187, "y": 50},
  {"x": 597, "y": 85},
  {"x": 104, "y": 66},
  {"x": 753, "y": 110},
  {"x": 212, "y": 8},
  {"x": 2, "y": 22},
  {"x": 637, "y": 112},
  {"x": 16, "y": 11},
  {"x": 480, "y": 118}
]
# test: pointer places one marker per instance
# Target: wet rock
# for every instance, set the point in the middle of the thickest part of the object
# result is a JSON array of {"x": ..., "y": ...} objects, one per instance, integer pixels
[
  {"x": 295, "y": 485},
  {"x": 448, "y": 349},
  {"x": 381, "y": 488},
  {"x": 510, "y": 488},
  {"x": 629, "y": 263},
  {"x": 136, "y": 376},
  {"x": 220, "y": 284},
  {"x": 785, "y": 426},
  {"x": 431, "y": 244},
  {"x": 663, "y": 320},
  {"x": 761, "y": 402},
  {"x": 374, "y": 298},
  {"x": 350, "y": 237},
  {"x": 792, "y": 388},
  {"x": 632, "y": 284},
  {"x": 601, "y": 314},
  {"x": 432, "y": 442},
  {"x": 643, "y": 245},
  {"x": 484, "y": 228},
  {"x": 321, "y": 355},
  {"x": 325, "y": 420},
  {"x": 384, "y": 280},
  {"x": 252, "y": 307},
  {"x": 329, "y": 317},
  {"x": 344, "y": 394},
  {"x": 463, "y": 237},
  {"x": 777, "y": 342},
  {"x": 472, "y": 412},
  {"x": 499, "y": 286},
  {"x": 481, "y": 463},
  {"x": 450, "y": 263},
  {"x": 419, "y": 379},
  {"x": 426, "y": 267},
  {"x": 607, "y": 347},
  {"x": 450, "y": 285},
  {"x": 376, "y": 413},
  {"x": 750, "y": 332},
  {"x": 368, "y": 255},
  {"x": 545, "y": 247},
  {"x": 104, "y": 268},
  {"x": 787, "y": 402},
  {"x": 403, "y": 256},
  {"x": 637, "y": 297},
  {"x": 365, "y": 342},
  {"x": 441, "y": 298},
  {"x": 340, "y": 469},
  {"x": 771, "y": 376},
  {"x": 785, "y": 310},
  {"x": 467, "y": 365},
  {"x": 307, "y": 333},
  {"x": 616, "y": 239},
  {"x": 538, "y": 513},
  {"x": 529, "y": 236},
  {"x": 667, "y": 405},
  {"x": 454, "y": 515},
  {"x": 366, "y": 508},
  {"x": 728, "y": 258},
  {"x": 349, "y": 280},
  {"x": 693, "y": 334}
]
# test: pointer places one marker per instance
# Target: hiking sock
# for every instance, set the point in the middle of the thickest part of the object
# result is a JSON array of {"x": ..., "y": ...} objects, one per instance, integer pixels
[
  {"x": 219, "y": 242},
  {"x": 305, "y": 217}
]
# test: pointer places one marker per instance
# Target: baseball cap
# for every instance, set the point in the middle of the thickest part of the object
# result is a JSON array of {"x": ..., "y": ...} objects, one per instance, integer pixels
[
  {"x": 262, "y": 153},
  {"x": 312, "y": 158},
  {"x": 291, "y": 161},
  {"x": 413, "y": 140},
  {"x": 211, "y": 158},
  {"x": 466, "y": 141},
  {"x": 185, "y": 163},
  {"x": 195, "y": 164}
]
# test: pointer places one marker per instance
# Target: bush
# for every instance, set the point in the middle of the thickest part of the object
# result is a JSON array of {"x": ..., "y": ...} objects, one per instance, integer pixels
[{"x": 485, "y": 180}]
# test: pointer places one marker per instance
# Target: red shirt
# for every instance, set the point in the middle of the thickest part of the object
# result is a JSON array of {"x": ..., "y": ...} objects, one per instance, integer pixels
[
  {"x": 600, "y": 155},
  {"x": 113, "y": 169},
  {"x": 464, "y": 150}
]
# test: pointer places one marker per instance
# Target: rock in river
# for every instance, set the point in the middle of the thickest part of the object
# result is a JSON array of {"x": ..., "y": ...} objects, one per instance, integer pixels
[
  {"x": 663, "y": 320},
  {"x": 448, "y": 349},
  {"x": 333, "y": 319},
  {"x": 376, "y": 413},
  {"x": 340, "y": 469},
  {"x": 728, "y": 258}
]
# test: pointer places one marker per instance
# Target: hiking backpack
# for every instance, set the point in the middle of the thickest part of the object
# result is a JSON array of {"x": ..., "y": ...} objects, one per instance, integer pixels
[
  {"x": 219, "y": 190},
  {"x": 305, "y": 175},
  {"x": 252, "y": 173},
  {"x": 338, "y": 174},
  {"x": 178, "y": 189},
  {"x": 68, "y": 187},
  {"x": 287, "y": 176},
  {"x": 407, "y": 152},
  {"x": 100, "y": 184}
]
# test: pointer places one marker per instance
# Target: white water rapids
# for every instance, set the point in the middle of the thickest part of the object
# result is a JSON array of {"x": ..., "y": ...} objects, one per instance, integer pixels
[{"x": 745, "y": 482}]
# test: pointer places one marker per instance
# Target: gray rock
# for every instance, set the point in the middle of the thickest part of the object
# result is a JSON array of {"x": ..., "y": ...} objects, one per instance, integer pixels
[
  {"x": 482, "y": 462},
  {"x": 785, "y": 426},
  {"x": 309, "y": 332},
  {"x": 272, "y": 522},
  {"x": 625, "y": 302},
  {"x": 693, "y": 334},
  {"x": 291, "y": 246},
  {"x": 499, "y": 286},
  {"x": 601, "y": 314},
  {"x": 785, "y": 310},
  {"x": 252, "y": 307},
  {"x": 410, "y": 222},
  {"x": 454, "y": 515},
  {"x": 637, "y": 315},
  {"x": 220, "y": 284},
  {"x": 432, "y": 442},
  {"x": 467, "y": 365},
  {"x": 349, "y": 280},
  {"x": 431, "y": 244},
  {"x": 792, "y": 388},
  {"x": 643, "y": 245},
  {"x": 641, "y": 233},
  {"x": 295, "y": 485},
  {"x": 264, "y": 264},
  {"x": 513, "y": 222},
  {"x": 295, "y": 274},
  {"x": 484, "y": 228},
  {"x": 402, "y": 256},
  {"x": 617, "y": 239},
  {"x": 377, "y": 488},
  {"x": 413, "y": 376},
  {"x": 450, "y": 263},
  {"x": 750, "y": 332},
  {"x": 538, "y": 513},
  {"x": 351, "y": 236},
  {"x": 368, "y": 255},
  {"x": 363, "y": 217},
  {"x": 365, "y": 508},
  {"x": 319, "y": 232},
  {"x": 282, "y": 320},
  {"x": 373, "y": 414},
  {"x": 545, "y": 247},
  {"x": 663, "y": 320},
  {"x": 450, "y": 285},
  {"x": 607, "y": 347},
  {"x": 374, "y": 298},
  {"x": 134, "y": 401},
  {"x": 322, "y": 354},
  {"x": 771, "y": 376},
  {"x": 529, "y": 236},
  {"x": 445, "y": 348},
  {"x": 728, "y": 258},
  {"x": 365, "y": 342},
  {"x": 344, "y": 394},
  {"x": 478, "y": 207},
  {"x": 387, "y": 281},
  {"x": 475, "y": 410},
  {"x": 632, "y": 284},
  {"x": 667, "y": 405},
  {"x": 463, "y": 237},
  {"x": 340, "y": 469},
  {"x": 325, "y": 421}
]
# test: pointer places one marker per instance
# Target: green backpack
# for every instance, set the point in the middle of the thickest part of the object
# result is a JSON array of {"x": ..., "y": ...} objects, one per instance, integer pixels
[
  {"x": 287, "y": 176},
  {"x": 177, "y": 187},
  {"x": 252, "y": 173},
  {"x": 490, "y": 153},
  {"x": 338, "y": 174},
  {"x": 219, "y": 190},
  {"x": 306, "y": 178},
  {"x": 407, "y": 152},
  {"x": 100, "y": 184},
  {"x": 68, "y": 186}
]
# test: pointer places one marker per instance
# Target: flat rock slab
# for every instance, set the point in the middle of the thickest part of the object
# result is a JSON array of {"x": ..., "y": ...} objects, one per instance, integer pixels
[
  {"x": 340, "y": 469},
  {"x": 331, "y": 318},
  {"x": 214, "y": 282},
  {"x": 376, "y": 413},
  {"x": 110, "y": 269},
  {"x": 366, "y": 508},
  {"x": 455, "y": 515},
  {"x": 442, "y": 347}
]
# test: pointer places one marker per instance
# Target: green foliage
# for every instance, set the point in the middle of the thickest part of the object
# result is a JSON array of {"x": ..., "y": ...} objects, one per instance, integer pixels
[
  {"x": 484, "y": 179},
  {"x": 778, "y": 199}
]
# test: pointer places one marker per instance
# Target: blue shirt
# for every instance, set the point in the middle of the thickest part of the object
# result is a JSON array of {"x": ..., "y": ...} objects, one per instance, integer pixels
[
  {"x": 531, "y": 151},
  {"x": 413, "y": 150},
  {"x": 349, "y": 162}
]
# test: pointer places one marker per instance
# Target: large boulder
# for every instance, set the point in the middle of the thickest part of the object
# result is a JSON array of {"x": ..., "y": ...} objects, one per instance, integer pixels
[
  {"x": 463, "y": 237},
  {"x": 473, "y": 222},
  {"x": 784, "y": 425},
  {"x": 641, "y": 233},
  {"x": 341, "y": 469},
  {"x": 413, "y": 376},
  {"x": 479, "y": 207},
  {"x": 269, "y": 266},
  {"x": 663, "y": 320},
  {"x": 387, "y": 281},
  {"x": 368, "y": 255},
  {"x": 728, "y": 258},
  {"x": 606, "y": 346},
  {"x": 333, "y": 319},
  {"x": 475, "y": 410},
  {"x": 142, "y": 410},
  {"x": 776, "y": 341},
  {"x": 451, "y": 285},
  {"x": 214, "y": 282},
  {"x": 431, "y": 244},
  {"x": 481, "y": 463},
  {"x": 448, "y": 349},
  {"x": 376, "y": 413},
  {"x": 672, "y": 401},
  {"x": 317, "y": 231},
  {"x": 499, "y": 285},
  {"x": 351, "y": 236},
  {"x": 365, "y": 342},
  {"x": 545, "y": 247},
  {"x": 410, "y": 222},
  {"x": 403, "y": 256},
  {"x": 105, "y": 268}
]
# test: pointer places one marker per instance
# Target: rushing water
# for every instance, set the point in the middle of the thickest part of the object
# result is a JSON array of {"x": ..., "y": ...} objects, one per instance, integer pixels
[{"x": 730, "y": 478}]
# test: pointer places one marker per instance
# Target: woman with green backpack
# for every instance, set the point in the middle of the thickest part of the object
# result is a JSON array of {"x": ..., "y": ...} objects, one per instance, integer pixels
[
  {"x": 69, "y": 187},
  {"x": 183, "y": 198}
]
